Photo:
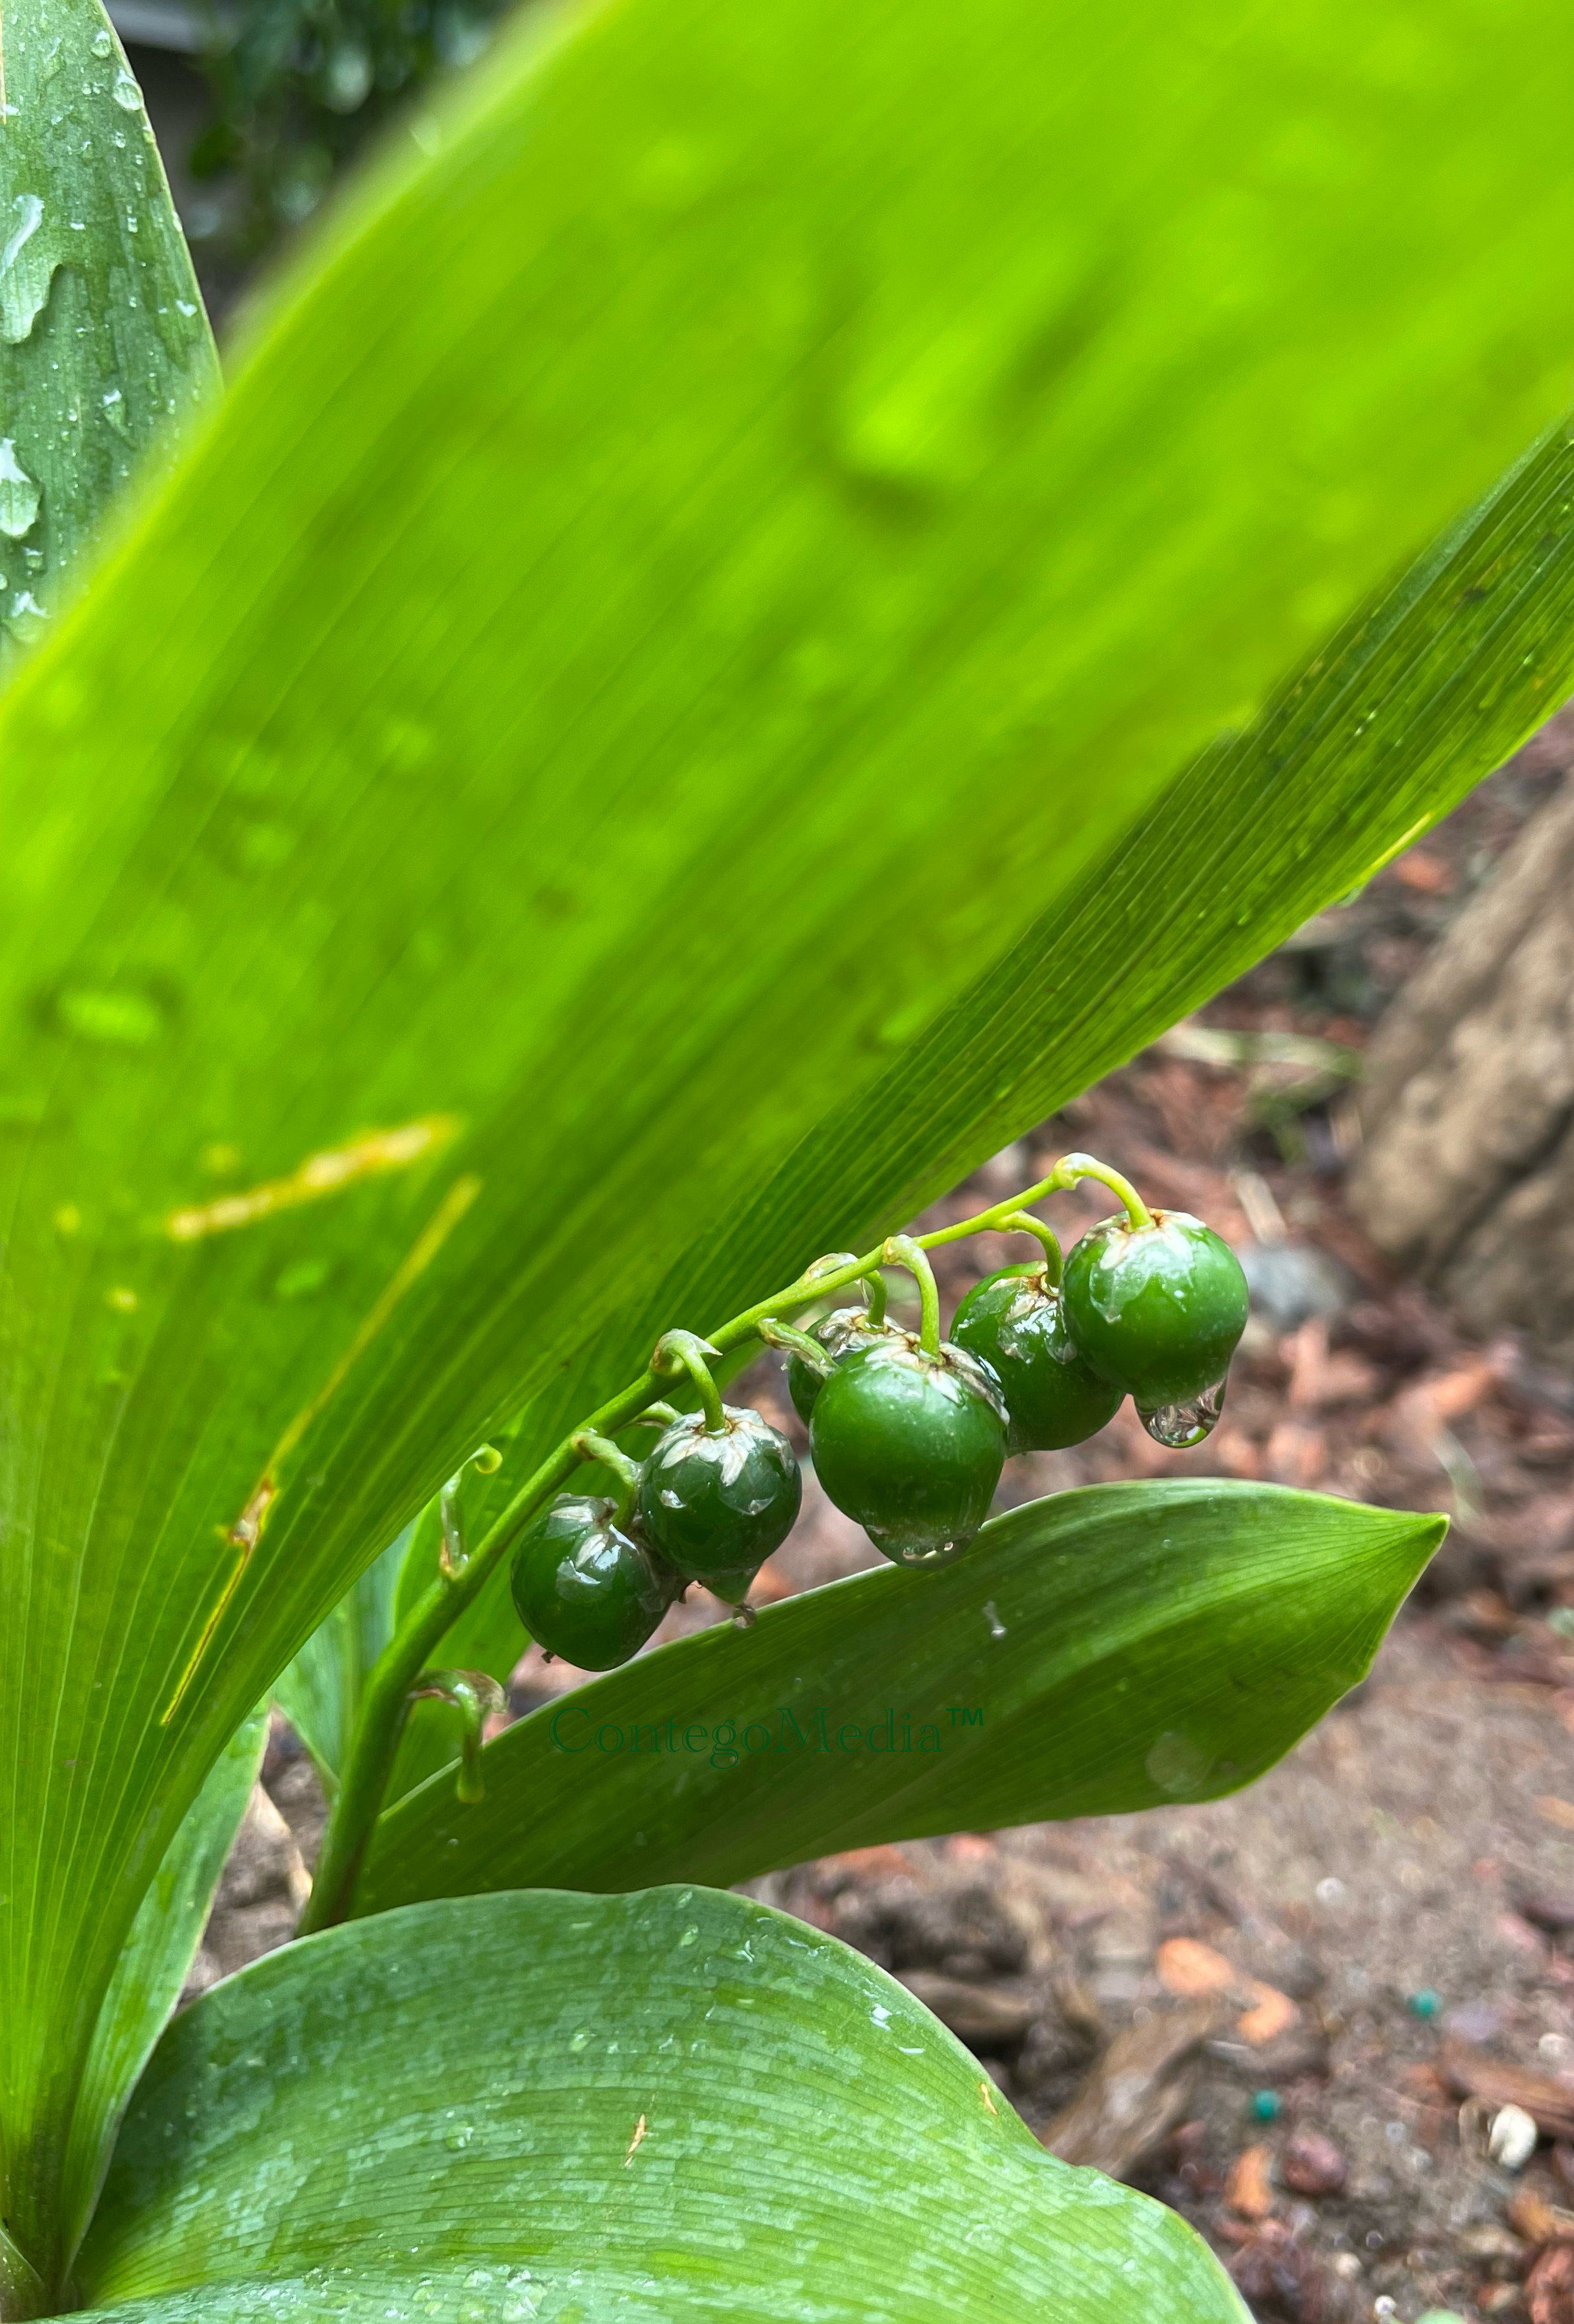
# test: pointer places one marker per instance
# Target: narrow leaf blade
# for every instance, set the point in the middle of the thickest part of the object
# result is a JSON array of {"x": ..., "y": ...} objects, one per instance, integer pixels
[
  {"x": 154, "y": 1963},
  {"x": 105, "y": 355},
  {"x": 1100, "y": 1651}
]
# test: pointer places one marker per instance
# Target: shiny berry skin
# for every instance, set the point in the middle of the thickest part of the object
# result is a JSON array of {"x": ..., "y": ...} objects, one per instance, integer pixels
[
  {"x": 716, "y": 1506},
  {"x": 1016, "y": 1323},
  {"x": 584, "y": 1587},
  {"x": 1158, "y": 1309},
  {"x": 911, "y": 1445},
  {"x": 838, "y": 1334}
]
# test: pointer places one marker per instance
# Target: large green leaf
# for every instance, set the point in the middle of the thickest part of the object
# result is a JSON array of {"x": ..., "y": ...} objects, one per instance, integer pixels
[
  {"x": 105, "y": 350},
  {"x": 1102, "y": 1650},
  {"x": 689, "y": 570},
  {"x": 663, "y": 2108},
  {"x": 153, "y": 1964}
]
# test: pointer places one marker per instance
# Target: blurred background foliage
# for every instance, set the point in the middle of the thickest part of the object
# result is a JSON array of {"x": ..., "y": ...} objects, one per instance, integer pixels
[{"x": 258, "y": 103}]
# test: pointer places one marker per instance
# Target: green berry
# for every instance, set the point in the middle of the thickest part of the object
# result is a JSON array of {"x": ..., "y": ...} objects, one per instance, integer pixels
[
  {"x": 838, "y": 1334},
  {"x": 715, "y": 1506},
  {"x": 585, "y": 1588},
  {"x": 1156, "y": 1310},
  {"x": 911, "y": 1445},
  {"x": 1015, "y": 1322}
]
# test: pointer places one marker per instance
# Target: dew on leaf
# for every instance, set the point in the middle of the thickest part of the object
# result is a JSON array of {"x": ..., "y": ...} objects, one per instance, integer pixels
[
  {"x": 126, "y": 94},
  {"x": 101, "y": 43},
  {"x": 124, "y": 1020},
  {"x": 18, "y": 493},
  {"x": 26, "y": 269}
]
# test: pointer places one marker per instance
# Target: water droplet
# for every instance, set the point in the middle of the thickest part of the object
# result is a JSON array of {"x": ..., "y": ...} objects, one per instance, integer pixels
[
  {"x": 26, "y": 269},
  {"x": 997, "y": 1628},
  {"x": 1178, "y": 1425},
  {"x": 115, "y": 411},
  {"x": 688, "y": 1936},
  {"x": 577, "y": 2041},
  {"x": 186, "y": 305},
  {"x": 18, "y": 492},
  {"x": 123, "y": 1020},
  {"x": 101, "y": 43},
  {"x": 126, "y": 94},
  {"x": 26, "y": 617},
  {"x": 1177, "y": 1764},
  {"x": 458, "y": 2140}
]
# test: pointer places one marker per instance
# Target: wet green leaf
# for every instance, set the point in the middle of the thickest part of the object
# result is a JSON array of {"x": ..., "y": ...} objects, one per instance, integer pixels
[
  {"x": 1103, "y": 1650},
  {"x": 105, "y": 350},
  {"x": 668, "y": 2107}
]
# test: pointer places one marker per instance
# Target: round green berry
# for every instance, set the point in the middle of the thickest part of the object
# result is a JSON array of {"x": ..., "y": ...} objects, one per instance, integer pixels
[
  {"x": 911, "y": 1445},
  {"x": 1156, "y": 1310},
  {"x": 1015, "y": 1322},
  {"x": 716, "y": 1504},
  {"x": 585, "y": 1589}
]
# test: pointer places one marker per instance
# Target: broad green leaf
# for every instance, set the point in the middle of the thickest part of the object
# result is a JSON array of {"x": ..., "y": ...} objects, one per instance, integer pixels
[
  {"x": 1103, "y": 1650},
  {"x": 155, "y": 1962},
  {"x": 105, "y": 350},
  {"x": 666, "y": 2108},
  {"x": 320, "y": 1692},
  {"x": 1401, "y": 713},
  {"x": 690, "y": 571}
]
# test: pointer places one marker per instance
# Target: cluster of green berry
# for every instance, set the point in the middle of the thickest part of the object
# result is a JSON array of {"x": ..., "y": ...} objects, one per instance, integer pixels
[{"x": 908, "y": 1432}]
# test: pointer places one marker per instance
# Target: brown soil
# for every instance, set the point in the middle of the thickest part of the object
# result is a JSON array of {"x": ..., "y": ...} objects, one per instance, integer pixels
[{"x": 1295, "y": 2014}]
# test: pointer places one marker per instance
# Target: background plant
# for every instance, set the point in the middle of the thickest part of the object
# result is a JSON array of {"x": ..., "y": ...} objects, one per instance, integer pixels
[{"x": 635, "y": 747}]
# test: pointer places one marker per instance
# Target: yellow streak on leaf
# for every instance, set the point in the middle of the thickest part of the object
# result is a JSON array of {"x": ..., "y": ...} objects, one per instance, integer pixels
[
  {"x": 320, "y": 1174},
  {"x": 247, "y": 1529},
  {"x": 989, "y": 2101},
  {"x": 635, "y": 2143}
]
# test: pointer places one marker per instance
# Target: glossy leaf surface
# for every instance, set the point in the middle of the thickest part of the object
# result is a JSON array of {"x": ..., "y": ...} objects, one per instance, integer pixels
[
  {"x": 105, "y": 350},
  {"x": 1101, "y": 1650},
  {"x": 156, "y": 1960},
  {"x": 672, "y": 2107},
  {"x": 677, "y": 588}
]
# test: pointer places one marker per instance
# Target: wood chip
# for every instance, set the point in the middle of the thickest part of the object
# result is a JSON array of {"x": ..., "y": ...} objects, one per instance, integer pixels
[
  {"x": 1188, "y": 1968},
  {"x": 1472, "y": 2074},
  {"x": 1272, "y": 2013},
  {"x": 1139, "y": 2090},
  {"x": 992, "y": 2015},
  {"x": 1249, "y": 2190}
]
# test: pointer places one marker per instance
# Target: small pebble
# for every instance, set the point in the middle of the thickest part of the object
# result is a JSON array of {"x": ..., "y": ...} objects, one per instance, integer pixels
[
  {"x": 1267, "y": 2105},
  {"x": 1313, "y": 2164},
  {"x": 1424, "y": 2004},
  {"x": 1511, "y": 2139}
]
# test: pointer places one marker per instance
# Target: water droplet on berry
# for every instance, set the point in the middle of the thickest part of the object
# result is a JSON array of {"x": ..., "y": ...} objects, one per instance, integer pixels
[{"x": 1178, "y": 1425}]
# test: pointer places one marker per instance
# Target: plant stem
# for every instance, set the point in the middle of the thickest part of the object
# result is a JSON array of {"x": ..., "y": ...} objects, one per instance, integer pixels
[
  {"x": 1024, "y": 1222},
  {"x": 901, "y": 1251},
  {"x": 687, "y": 1351},
  {"x": 1073, "y": 1167},
  {"x": 385, "y": 1701},
  {"x": 796, "y": 1343},
  {"x": 877, "y": 1300},
  {"x": 591, "y": 1447}
]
